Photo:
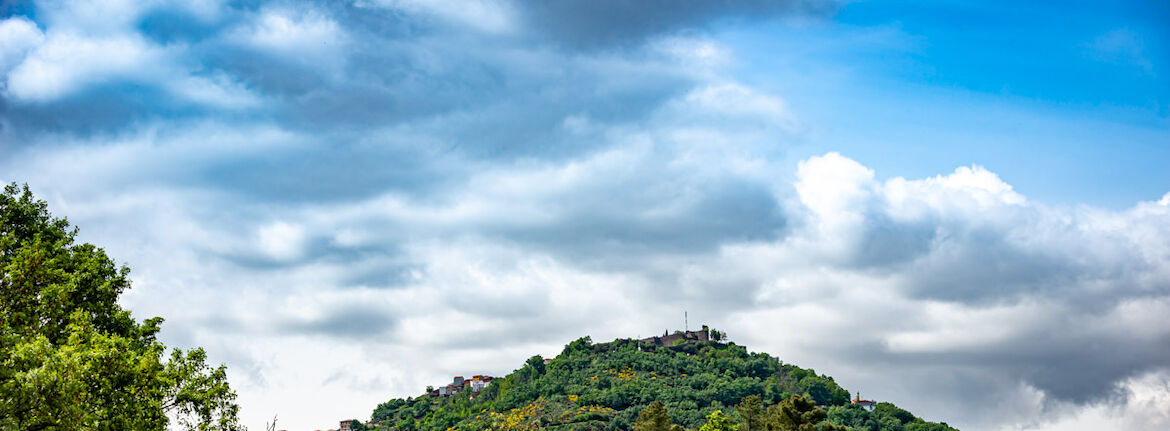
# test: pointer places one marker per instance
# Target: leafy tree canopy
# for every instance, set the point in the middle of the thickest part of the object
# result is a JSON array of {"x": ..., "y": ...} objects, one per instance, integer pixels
[
  {"x": 71, "y": 357},
  {"x": 653, "y": 418},
  {"x": 717, "y": 421}
]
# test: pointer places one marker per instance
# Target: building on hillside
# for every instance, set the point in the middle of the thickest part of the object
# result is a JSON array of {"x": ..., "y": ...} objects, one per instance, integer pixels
[
  {"x": 478, "y": 382},
  {"x": 865, "y": 404},
  {"x": 668, "y": 339},
  {"x": 458, "y": 384}
]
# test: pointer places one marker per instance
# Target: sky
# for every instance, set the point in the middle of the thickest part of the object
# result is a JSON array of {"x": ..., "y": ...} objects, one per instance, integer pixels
[{"x": 959, "y": 207}]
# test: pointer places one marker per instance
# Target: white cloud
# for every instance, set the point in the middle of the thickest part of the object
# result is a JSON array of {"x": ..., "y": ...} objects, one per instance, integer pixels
[
  {"x": 967, "y": 189},
  {"x": 731, "y": 100},
  {"x": 65, "y": 63},
  {"x": 282, "y": 241},
  {"x": 65, "y": 60},
  {"x": 18, "y": 35},
  {"x": 305, "y": 35},
  {"x": 1147, "y": 405},
  {"x": 699, "y": 55},
  {"x": 218, "y": 91},
  {"x": 836, "y": 190}
]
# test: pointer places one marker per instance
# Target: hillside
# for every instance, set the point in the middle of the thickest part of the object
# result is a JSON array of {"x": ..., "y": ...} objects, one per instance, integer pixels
[{"x": 605, "y": 386}]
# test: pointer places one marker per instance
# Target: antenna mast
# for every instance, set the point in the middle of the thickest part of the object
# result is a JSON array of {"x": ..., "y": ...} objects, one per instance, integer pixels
[{"x": 686, "y": 325}]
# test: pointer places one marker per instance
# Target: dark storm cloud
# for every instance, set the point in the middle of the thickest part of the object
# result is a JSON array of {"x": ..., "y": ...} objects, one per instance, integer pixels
[
  {"x": 1068, "y": 361},
  {"x": 890, "y": 245},
  {"x": 607, "y": 23},
  {"x": 472, "y": 99},
  {"x": 981, "y": 266},
  {"x": 343, "y": 170},
  {"x": 349, "y": 321},
  {"x": 600, "y": 229},
  {"x": 98, "y": 110}
]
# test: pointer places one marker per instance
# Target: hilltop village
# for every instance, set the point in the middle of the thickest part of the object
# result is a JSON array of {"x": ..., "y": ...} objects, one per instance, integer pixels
[
  {"x": 479, "y": 381},
  {"x": 459, "y": 384},
  {"x": 617, "y": 364}
]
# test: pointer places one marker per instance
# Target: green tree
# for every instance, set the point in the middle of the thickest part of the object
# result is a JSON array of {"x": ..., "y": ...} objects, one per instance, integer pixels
[
  {"x": 889, "y": 423},
  {"x": 356, "y": 425},
  {"x": 653, "y": 418},
  {"x": 929, "y": 426},
  {"x": 854, "y": 416},
  {"x": 889, "y": 410},
  {"x": 717, "y": 421},
  {"x": 71, "y": 357},
  {"x": 798, "y": 414},
  {"x": 536, "y": 366},
  {"x": 751, "y": 413}
]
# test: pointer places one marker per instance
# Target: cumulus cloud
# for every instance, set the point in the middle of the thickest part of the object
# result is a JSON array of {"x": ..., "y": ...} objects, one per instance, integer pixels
[
  {"x": 65, "y": 63},
  {"x": 305, "y": 36},
  {"x": 1005, "y": 290},
  {"x": 18, "y": 35},
  {"x": 282, "y": 241}
]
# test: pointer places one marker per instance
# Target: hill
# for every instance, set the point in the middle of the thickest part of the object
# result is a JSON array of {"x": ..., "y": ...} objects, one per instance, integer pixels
[{"x": 605, "y": 386}]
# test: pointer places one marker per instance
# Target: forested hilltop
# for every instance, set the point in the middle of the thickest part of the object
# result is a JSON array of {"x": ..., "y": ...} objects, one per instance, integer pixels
[{"x": 631, "y": 384}]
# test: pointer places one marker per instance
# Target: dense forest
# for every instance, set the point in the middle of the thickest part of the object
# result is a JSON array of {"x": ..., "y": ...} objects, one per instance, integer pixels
[{"x": 629, "y": 384}]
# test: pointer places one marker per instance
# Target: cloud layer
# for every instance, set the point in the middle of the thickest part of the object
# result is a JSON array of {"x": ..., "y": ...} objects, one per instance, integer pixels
[{"x": 348, "y": 201}]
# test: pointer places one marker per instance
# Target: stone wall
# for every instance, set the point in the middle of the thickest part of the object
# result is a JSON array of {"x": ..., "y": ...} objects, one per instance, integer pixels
[{"x": 668, "y": 339}]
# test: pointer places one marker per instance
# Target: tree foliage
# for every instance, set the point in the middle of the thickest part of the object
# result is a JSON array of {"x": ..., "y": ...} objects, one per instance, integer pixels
[
  {"x": 717, "y": 335},
  {"x": 885, "y": 417},
  {"x": 751, "y": 413},
  {"x": 717, "y": 421},
  {"x": 70, "y": 356},
  {"x": 797, "y": 414},
  {"x": 653, "y": 418}
]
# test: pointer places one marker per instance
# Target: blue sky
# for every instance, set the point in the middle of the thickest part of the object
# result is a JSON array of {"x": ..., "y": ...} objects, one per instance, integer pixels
[
  {"x": 1064, "y": 100},
  {"x": 958, "y": 207}
]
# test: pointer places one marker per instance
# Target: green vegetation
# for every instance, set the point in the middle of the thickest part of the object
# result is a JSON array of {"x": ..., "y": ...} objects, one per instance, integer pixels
[
  {"x": 627, "y": 384},
  {"x": 70, "y": 357}
]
